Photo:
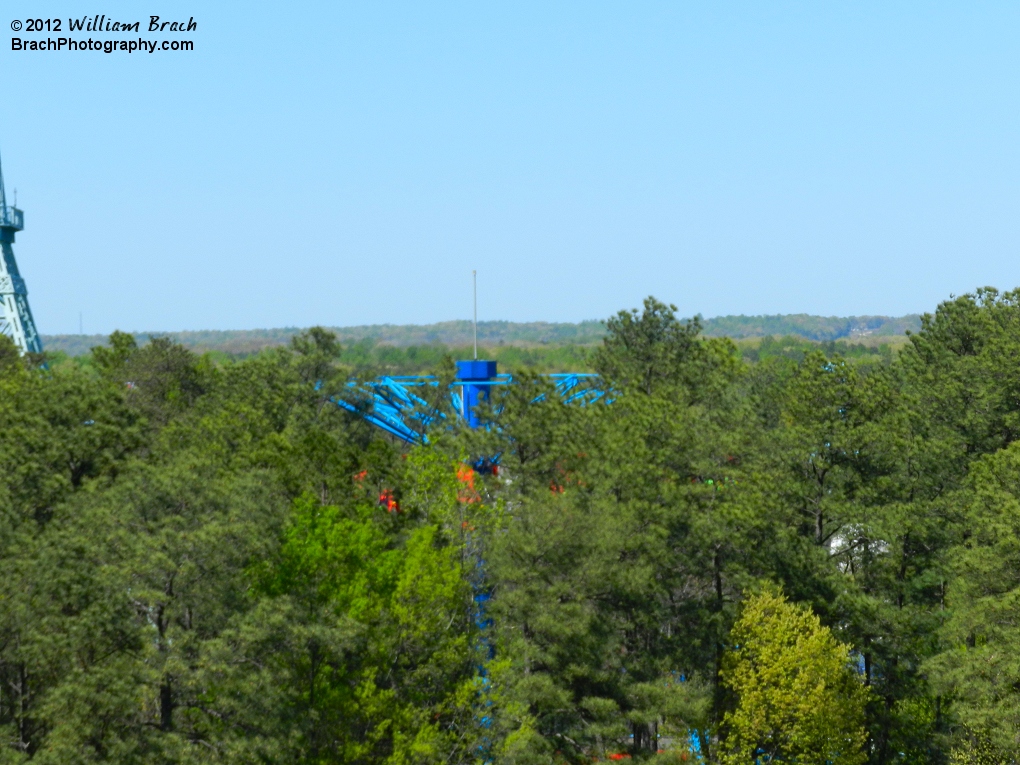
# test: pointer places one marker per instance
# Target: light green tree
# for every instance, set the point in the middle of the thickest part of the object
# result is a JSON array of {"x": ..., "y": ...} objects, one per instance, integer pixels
[
  {"x": 976, "y": 749},
  {"x": 797, "y": 699}
]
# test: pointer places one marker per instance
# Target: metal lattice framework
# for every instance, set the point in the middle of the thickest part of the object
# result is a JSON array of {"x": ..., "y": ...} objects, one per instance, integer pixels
[{"x": 15, "y": 316}]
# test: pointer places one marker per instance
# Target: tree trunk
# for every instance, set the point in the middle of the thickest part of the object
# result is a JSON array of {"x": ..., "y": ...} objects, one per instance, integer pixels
[
  {"x": 646, "y": 736},
  {"x": 166, "y": 705}
]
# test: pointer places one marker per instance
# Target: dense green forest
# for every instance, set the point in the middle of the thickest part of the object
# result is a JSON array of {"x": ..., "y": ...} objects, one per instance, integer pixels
[
  {"x": 494, "y": 335},
  {"x": 768, "y": 552}
]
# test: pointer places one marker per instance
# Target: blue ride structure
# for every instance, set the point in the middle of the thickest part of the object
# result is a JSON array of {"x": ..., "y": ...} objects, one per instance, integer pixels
[{"x": 396, "y": 403}]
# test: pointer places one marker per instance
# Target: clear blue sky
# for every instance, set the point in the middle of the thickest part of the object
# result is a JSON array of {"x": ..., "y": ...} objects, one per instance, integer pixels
[{"x": 350, "y": 163}]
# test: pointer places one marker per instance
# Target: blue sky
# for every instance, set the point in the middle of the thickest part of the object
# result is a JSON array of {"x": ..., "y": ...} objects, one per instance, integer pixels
[{"x": 343, "y": 163}]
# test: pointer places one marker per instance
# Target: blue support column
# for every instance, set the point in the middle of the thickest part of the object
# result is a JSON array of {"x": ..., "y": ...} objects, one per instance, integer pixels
[{"x": 475, "y": 379}]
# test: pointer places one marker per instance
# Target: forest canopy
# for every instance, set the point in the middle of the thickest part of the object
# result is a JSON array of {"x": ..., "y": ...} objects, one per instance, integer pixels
[{"x": 799, "y": 552}]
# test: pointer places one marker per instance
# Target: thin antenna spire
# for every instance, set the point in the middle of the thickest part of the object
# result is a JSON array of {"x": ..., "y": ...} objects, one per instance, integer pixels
[{"x": 474, "y": 284}]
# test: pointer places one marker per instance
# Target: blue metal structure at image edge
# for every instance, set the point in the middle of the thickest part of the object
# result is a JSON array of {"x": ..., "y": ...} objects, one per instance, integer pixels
[{"x": 15, "y": 316}]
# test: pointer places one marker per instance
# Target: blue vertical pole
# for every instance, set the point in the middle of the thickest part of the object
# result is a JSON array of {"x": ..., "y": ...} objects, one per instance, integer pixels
[{"x": 474, "y": 378}]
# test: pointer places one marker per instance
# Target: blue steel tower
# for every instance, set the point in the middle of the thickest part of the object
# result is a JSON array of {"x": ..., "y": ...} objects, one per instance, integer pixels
[{"x": 15, "y": 316}]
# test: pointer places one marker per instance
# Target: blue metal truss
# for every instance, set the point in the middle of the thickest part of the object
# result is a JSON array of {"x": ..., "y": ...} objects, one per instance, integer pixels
[{"x": 391, "y": 404}]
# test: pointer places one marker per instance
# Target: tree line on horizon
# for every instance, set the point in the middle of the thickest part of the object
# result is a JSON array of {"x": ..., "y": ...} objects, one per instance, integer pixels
[
  {"x": 494, "y": 335},
  {"x": 790, "y": 557},
  {"x": 372, "y": 359}
]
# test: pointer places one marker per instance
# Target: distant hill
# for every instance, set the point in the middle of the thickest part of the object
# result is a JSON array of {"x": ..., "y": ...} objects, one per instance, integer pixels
[
  {"x": 523, "y": 334},
  {"x": 820, "y": 328}
]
